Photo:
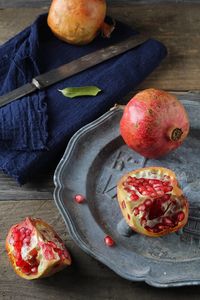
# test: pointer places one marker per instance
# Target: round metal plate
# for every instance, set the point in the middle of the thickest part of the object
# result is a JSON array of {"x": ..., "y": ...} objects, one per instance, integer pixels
[{"x": 95, "y": 158}]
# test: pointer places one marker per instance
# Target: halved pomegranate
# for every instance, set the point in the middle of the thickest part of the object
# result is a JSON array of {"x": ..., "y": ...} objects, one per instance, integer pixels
[
  {"x": 35, "y": 250},
  {"x": 152, "y": 202}
]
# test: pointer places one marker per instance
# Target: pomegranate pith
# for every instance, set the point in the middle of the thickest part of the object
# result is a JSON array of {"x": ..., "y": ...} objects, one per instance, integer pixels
[
  {"x": 161, "y": 207},
  {"x": 154, "y": 123},
  {"x": 35, "y": 250}
]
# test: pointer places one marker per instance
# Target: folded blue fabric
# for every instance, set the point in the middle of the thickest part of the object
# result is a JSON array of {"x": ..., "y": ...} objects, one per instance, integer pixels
[{"x": 34, "y": 131}]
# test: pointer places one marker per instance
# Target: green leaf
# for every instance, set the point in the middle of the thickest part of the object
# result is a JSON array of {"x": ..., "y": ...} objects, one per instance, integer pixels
[{"x": 72, "y": 92}]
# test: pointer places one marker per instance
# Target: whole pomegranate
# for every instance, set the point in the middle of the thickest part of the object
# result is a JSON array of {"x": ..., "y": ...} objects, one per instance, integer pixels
[
  {"x": 35, "y": 250},
  {"x": 152, "y": 202},
  {"x": 77, "y": 21},
  {"x": 154, "y": 122}
]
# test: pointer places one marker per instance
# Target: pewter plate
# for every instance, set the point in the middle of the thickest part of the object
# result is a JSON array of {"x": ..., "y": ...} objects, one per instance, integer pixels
[{"x": 95, "y": 158}]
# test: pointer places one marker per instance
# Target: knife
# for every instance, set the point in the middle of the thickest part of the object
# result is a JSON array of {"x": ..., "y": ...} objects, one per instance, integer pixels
[{"x": 76, "y": 66}]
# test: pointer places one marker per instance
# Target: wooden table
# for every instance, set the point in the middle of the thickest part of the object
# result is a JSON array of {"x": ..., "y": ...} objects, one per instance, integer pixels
[{"x": 175, "y": 24}]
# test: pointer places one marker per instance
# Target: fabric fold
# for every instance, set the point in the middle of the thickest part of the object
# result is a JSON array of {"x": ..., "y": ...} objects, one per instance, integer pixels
[{"x": 61, "y": 117}]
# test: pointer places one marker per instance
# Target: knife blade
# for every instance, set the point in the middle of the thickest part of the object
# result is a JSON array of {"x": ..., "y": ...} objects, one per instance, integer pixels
[{"x": 76, "y": 66}]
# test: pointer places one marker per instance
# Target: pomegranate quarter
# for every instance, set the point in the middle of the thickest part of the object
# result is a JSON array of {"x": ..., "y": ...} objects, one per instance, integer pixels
[
  {"x": 152, "y": 202},
  {"x": 154, "y": 123},
  {"x": 35, "y": 250}
]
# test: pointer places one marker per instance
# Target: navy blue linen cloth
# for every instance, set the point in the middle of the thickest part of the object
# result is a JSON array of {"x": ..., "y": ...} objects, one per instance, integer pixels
[{"x": 34, "y": 130}]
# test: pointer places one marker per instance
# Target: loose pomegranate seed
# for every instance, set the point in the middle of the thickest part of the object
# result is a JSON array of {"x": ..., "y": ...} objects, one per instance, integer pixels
[
  {"x": 79, "y": 198},
  {"x": 128, "y": 216},
  {"x": 109, "y": 241},
  {"x": 180, "y": 216}
]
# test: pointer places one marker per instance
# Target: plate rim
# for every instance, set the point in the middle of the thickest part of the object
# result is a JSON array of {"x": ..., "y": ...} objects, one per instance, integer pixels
[{"x": 70, "y": 224}]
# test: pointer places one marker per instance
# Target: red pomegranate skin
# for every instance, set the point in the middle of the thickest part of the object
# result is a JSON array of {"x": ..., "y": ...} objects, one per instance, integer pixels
[{"x": 154, "y": 123}]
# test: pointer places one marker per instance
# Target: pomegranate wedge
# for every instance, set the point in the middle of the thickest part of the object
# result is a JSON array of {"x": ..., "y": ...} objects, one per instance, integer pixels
[
  {"x": 152, "y": 202},
  {"x": 35, "y": 250}
]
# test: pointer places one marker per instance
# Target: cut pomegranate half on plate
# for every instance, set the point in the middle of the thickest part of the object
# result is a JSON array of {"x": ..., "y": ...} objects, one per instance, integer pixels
[
  {"x": 152, "y": 202},
  {"x": 35, "y": 250}
]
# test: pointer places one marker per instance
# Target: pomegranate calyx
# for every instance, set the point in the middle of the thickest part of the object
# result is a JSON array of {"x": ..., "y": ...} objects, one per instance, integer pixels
[
  {"x": 107, "y": 29},
  {"x": 175, "y": 134}
]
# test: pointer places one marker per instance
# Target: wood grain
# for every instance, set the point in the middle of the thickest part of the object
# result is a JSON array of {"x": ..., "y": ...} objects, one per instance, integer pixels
[
  {"x": 177, "y": 26},
  {"x": 43, "y": 3},
  {"x": 85, "y": 279}
]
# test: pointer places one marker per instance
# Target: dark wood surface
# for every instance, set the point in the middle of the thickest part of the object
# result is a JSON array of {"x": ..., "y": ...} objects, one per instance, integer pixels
[{"x": 177, "y": 25}]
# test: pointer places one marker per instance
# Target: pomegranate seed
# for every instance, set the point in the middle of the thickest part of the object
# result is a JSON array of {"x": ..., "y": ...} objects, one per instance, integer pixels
[
  {"x": 16, "y": 236},
  {"x": 141, "y": 189},
  {"x": 22, "y": 236},
  {"x": 136, "y": 211},
  {"x": 22, "y": 230},
  {"x": 154, "y": 181},
  {"x": 166, "y": 197},
  {"x": 48, "y": 254},
  {"x": 79, "y": 198},
  {"x": 180, "y": 216},
  {"x": 134, "y": 197},
  {"x": 18, "y": 255},
  {"x": 123, "y": 204},
  {"x": 145, "y": 193},
  {"x": 149, "y": 188},
  {"x": 153, "y": 194},
  {"x": 148, "y": 202},
  {"x": 161, "y": 227},
  {"x": 28, "y": 232},
  {"x": 165, "y": 183},
  {"x": 128, "y": 216},
  {"x": 128, "y": 190},
  {"x": 141, "y": 207},
  {"x": 157, "y": 185},
  {"x": 34, "y": 270},
  {"x": 160, "y": 193},
  {"x": 27, "y": 240},
  {"x": 167, "y": 221},
  {"x": 109, "y": 241},
  {"x": 168, "y": 188}
]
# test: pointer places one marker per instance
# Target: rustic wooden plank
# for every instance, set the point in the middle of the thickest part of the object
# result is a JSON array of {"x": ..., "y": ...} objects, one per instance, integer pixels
[
  {"x": 174, "y": 24},
  {"x": 40, "y": 188},
  {"x": 44, "y": 3},
  {"x": 85, "y": 279}
]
